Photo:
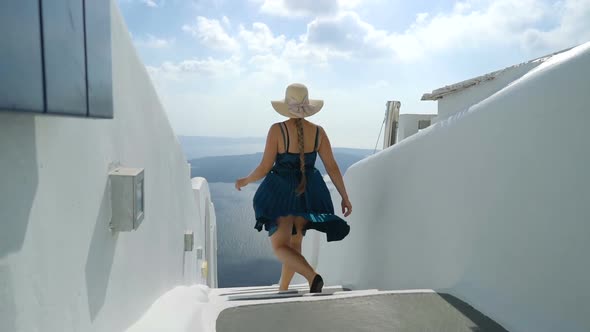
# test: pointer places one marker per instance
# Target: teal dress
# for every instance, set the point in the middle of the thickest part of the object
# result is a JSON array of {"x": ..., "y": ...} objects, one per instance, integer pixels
[{"x": 276, "y": 196}]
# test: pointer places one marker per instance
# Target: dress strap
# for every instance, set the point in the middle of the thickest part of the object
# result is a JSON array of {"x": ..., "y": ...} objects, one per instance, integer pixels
[
  {"x": 288, "y": 141},
  {"x": 317, "y": 131},
  {"x": 283, "y": 132},
  {"x": 284, "y": 139}
]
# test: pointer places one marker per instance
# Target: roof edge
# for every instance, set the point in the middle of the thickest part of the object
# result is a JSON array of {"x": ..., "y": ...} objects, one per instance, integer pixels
[{"x": 456, "y": 87}]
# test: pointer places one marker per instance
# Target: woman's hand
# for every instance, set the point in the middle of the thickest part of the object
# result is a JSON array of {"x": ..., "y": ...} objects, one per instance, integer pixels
[
  {"x": 241, "y": 183},
  {"x": 346, "y": 207}
]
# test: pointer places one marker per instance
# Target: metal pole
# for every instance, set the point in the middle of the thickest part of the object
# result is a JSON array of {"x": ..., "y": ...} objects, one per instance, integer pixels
[{"x": 391, "y": 124}]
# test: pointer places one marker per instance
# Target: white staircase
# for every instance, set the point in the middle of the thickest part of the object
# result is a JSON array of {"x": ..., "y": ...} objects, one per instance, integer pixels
[
  {"x": 336, "y": 309},
  {"x": 261, "y": 309}
]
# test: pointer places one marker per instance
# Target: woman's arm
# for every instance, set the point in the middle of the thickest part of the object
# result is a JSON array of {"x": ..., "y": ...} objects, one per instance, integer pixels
[
  {"x": 325, "y": 152},
  {"x": 268, "y": 159}
]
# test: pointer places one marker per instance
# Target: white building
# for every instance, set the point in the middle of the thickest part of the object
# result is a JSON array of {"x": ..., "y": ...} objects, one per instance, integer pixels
[
  {"x": 401, "y": 126},
  {"x": 460, "y": 96},
  {"x": 410, "y": 124},
  {"x": 61, "y": 266}
]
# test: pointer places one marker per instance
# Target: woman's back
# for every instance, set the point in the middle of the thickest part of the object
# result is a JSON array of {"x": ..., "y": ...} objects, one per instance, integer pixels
[
  {"x": 293, "y": 189},
  {"x": 311, "y": 133}
]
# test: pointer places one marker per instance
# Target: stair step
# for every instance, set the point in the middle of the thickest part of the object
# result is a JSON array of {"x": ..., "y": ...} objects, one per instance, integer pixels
[
  {"x": 363, "y": 310},
  {"x": 265, "y": 295}
]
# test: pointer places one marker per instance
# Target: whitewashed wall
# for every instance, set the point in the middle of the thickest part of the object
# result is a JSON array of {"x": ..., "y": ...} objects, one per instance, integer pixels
[
  {"x": 504, "y": 220},
  {"x": 60, "y": 267},
  {"x": 205, "y": 234},
  {"x": 460, "y": 101}
]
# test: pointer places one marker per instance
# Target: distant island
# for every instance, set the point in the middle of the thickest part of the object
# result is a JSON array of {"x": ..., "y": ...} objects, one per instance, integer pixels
[
  {"x": 221, "y": 159},
  {"x": 230, "y": 168}
]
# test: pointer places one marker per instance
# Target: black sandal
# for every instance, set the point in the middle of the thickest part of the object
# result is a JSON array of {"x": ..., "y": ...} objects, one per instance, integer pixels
[{"x": 317, "y": 284}]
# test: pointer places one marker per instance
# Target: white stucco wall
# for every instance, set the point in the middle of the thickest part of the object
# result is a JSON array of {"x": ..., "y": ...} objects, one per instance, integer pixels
[
  {"x": 460, "y": 101},
  {"x": 61, "y": 269},
  {"x": 207, "y": 225},
  {"x": 503, "y": 223}
]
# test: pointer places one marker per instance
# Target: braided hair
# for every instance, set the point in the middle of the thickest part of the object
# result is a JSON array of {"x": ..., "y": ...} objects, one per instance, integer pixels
[{"x": 301, "y": 188}]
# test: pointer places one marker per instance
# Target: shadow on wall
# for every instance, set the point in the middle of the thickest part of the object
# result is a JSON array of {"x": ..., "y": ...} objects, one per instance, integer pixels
[
  {"x": 481, "y": 322},
  {"x": 18, "y": 179},
  {"x": 7, "y": 305},
  {"x": 18, "y": 187},
  {"x": 100, "y": 256}
]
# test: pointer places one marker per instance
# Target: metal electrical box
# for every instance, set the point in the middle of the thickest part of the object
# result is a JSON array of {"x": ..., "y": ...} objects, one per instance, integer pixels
[
  {"x": 200, "y": 253},
  {"x": 127, "y": 198},
  {"x": 189, "y": 241}
]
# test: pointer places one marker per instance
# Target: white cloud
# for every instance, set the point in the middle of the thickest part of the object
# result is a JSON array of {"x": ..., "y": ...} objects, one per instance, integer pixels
[
  {"x": 466, "y": 26},
  {"x": 300, "y": 8},
  {"x": 471, "y": 24},
  {"x": 573, "y": 27},
  {"x": 346, "y": 33},
  {"x": 152, "y": 41},
  {"x": 211, "y": 34},
  {"x": 380, "y": 84},
  {"x": 201, "y": 5},
  {"x": 304, "y": 53},
  {"x": 260, "y": 39},
  {"x": 226, "y": 22},
  {"x": 269, "y": 68},
  {"x": 208, "y": 67},
  {"x": 150, "y": 3},
  {"x": 499, "y": 23},
  {"x": 421, "y": 17}
]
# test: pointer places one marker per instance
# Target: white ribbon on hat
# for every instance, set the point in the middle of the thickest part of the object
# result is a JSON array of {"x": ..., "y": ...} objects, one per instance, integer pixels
[{"x": 300, "y": 109}]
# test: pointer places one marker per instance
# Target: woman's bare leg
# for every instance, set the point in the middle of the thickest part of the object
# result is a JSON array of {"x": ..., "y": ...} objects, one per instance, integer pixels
[
  {"x": 296, "y": 240},
  {"x": 291, "y": 259}
]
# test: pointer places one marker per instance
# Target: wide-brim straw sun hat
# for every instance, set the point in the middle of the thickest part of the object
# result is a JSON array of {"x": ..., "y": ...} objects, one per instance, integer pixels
[{"x": 297, "y": 103}]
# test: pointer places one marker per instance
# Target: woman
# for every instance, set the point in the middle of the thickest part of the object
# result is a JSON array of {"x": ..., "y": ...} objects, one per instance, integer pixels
[{"x": 293, "y": 196}]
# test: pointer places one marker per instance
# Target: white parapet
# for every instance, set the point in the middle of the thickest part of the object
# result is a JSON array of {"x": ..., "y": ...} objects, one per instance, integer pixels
[{"x": 490, "y": 205}]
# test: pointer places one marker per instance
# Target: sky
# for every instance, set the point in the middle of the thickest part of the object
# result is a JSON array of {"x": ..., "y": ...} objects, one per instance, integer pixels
[{"x": 217, "y": 64}]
